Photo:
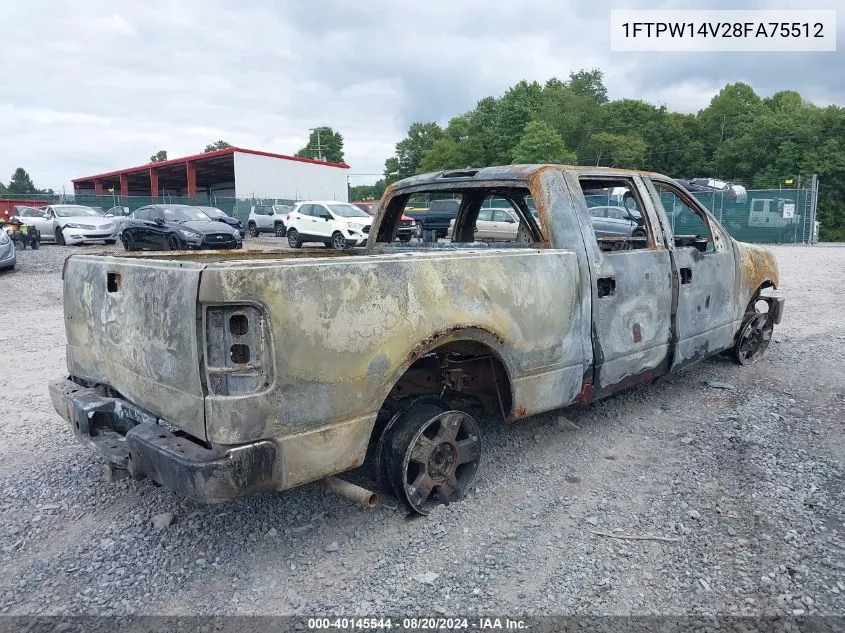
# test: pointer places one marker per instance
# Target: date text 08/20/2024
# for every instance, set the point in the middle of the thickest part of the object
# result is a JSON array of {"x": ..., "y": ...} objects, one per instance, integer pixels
[{"x": 415, "y": 623}]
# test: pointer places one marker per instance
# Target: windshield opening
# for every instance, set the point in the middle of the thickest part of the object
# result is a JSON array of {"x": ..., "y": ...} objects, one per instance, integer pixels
[
  {"x": 348, "y": 211},
  {"x": 184, "y": 215},
  {"x": 74, "y": 211}
]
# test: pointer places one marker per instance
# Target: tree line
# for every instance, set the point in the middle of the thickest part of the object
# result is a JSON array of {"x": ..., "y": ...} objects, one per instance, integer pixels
[{"x": 739, "y": 137}]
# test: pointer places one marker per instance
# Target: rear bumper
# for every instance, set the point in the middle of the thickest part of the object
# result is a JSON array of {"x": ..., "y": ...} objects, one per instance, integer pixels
[{"x": 131, "y": 438}]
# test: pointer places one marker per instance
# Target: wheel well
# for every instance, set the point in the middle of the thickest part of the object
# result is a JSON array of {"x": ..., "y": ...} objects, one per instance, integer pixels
[{"x": 464, "y": 373}]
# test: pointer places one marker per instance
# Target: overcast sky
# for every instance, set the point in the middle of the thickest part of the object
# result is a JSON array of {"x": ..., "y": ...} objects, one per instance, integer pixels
[{"x": 97, "y": 85}]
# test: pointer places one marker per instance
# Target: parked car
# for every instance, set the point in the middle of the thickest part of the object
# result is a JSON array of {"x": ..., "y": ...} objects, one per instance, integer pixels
[
  {"x": 175, "y": 227},
  {"x": 616, "y": 221},
  {"x": 8, "y": 255},
  {"x": 493, "y": 225},
  {"x": 690, "y": 186},
  {"x": 268, "y": 218},
  {"x": 335, "y": 224},
  {"x": 273, "y": 373},
  {"x": 73, "y": 224},
  {"x": 736, "y": 192},
  {"x": 117, "y": 215},
  {"x": 437, "y": 217},
  {"x": 216, "y": 214},
  {"x": 407, "y": 228}
]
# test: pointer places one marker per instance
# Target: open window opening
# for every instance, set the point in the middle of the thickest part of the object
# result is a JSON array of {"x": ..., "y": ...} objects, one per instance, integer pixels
[
  {"x": 689, "y": 225},
  {"x": 504, "y": 216},
  {"x": 617, "y": 214}
]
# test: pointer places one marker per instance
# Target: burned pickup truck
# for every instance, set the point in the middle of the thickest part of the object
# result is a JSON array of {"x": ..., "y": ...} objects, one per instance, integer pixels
[{"x": 221, "y": 374}]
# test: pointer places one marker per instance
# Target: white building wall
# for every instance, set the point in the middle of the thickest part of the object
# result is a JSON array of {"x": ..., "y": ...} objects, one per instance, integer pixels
[{"x": 267, "y": 177}]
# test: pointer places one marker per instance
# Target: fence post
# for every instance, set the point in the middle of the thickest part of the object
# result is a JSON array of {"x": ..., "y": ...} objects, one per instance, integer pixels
[{"x": 814, "y": 192}]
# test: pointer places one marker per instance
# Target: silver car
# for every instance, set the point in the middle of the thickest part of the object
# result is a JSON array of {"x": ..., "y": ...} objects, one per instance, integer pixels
[
  {"x": 8, "y": 257},
  {"x": 117, "y": 215},
  {"x": 74, "y": 224}
]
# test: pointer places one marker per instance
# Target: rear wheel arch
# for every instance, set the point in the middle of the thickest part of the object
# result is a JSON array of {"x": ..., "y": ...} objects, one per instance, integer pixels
[{"x": 471, "y": 342}]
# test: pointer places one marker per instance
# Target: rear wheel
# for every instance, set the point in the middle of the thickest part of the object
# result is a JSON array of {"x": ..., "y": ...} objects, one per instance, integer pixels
[
  {"x": 293, "y": 239},
  {"x": 338, "y": 241},
  {"x": 35, "y": 244},
  {"x": 280, "y": 229},
  {"x": 253, "y": 230},
  {"x": 429, "y": 455},
  {"x": 173, "y": 242}
]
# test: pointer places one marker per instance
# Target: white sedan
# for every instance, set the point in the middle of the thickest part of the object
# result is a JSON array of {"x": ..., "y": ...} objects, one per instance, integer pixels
[{"x": 73, "y": 224}]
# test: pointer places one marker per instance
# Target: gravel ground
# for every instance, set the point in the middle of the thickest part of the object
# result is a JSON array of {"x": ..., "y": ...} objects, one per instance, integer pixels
[{"x": 743, "y": 479}]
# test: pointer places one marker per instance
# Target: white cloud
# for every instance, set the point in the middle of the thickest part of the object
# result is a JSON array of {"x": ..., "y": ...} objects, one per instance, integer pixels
[{"x": 98, "y": 85}]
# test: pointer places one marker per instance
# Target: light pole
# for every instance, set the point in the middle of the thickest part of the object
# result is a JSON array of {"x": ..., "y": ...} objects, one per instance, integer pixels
[{"x": 319, "y": 145}]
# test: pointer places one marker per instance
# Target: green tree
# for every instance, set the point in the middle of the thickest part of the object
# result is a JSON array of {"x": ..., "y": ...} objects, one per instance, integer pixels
[
  {"x": 616, "y": 150},
  {"x": 324, "y": 144},
  {"x": 21, "y": 183},
  {"x": 367, "y": 192},
  {"x": 540, "y": 143},
  {"x": 589, "y": 84},
  {"x": 212, "y": 147},
  {"x": 2, "y": 188},
  {"x": 409, "y": 151},
  {"x": 159, "y": 157}
]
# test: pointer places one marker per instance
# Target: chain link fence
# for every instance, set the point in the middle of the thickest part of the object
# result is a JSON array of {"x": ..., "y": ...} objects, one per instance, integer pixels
[{"x": 763, "y": 216}]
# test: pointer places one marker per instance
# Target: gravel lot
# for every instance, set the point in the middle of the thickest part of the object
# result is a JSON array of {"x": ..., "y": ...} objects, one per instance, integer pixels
[{"x": 743, "y": 477}]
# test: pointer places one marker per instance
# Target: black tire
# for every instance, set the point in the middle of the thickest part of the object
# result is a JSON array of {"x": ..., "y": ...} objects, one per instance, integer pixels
[
  {"x": 429, "y": 456},
  {"x": 35, "y": 244},
  {"x": 279, "y": 229},
  {"x": 60, "y": 239},
  {"x": 173, "y": 242},
  {"x": 294, "y": 241},
  {"x": 638, "y": 232},
  {"x": 338, "y": 241},
  {"x": 21, "y": 245},
  {"x": 252, "y": 229},
  {"x": 110, "y": 241},
  {"x": 128, "y": 241},
  {"x": 754, "y": 335}
]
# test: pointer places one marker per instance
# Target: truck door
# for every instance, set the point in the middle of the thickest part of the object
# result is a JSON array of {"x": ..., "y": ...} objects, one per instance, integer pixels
[
  {"x": 631, "y": 285},
  {"x": 703, "y": 258}
]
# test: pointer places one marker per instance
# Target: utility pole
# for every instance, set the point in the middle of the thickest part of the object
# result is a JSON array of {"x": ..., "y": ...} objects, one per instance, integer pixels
[{"x": 319, "y": 147}]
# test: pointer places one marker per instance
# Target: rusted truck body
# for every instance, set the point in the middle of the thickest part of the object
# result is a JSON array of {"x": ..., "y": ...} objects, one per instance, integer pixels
[{"x": 223, "y": 374}]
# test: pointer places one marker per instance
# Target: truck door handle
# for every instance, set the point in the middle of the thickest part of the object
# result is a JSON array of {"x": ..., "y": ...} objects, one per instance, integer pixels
[
  {"x": 686, "y": 275},
  {"x": 606, "y": 286}
]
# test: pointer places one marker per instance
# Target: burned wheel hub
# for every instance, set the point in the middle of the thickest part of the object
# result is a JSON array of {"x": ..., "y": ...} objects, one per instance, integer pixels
[
  {"x": 442, "y": 461},
  {"x": 430, "y": 456}
]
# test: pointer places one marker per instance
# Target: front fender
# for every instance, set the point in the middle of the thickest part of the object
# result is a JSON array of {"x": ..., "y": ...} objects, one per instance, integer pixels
[{"x": 757, "y": 269}]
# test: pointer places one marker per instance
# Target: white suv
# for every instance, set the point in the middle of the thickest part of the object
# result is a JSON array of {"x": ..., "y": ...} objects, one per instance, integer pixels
[
  {"x": 335, "y": 224},
  {"x": 267, "y": 218}
]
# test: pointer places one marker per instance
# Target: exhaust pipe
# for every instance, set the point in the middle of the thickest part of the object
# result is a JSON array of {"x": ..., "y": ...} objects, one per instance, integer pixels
[{"x": 359, "y": 495}]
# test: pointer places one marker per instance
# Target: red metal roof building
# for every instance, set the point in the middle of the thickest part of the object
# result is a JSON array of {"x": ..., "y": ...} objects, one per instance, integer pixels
[{"x": 234, "y": 172}]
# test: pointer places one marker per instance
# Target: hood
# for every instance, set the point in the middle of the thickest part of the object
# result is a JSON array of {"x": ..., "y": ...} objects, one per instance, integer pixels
[
  {"x": 365, "y": 221},
  {"x": 227, "y": 220},
  {"x": 208, "y": 226}
]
